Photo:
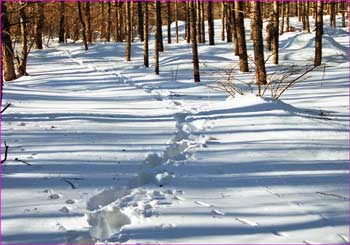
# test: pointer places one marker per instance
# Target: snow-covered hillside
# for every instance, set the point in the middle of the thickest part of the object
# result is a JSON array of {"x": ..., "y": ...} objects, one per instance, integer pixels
[{"x": 104, "y": 151}]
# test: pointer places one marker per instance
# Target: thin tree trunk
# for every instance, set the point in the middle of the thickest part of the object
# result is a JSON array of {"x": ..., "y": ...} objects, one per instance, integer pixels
[
  {"x": 222, "y": 21},
  {"x": 102, "y": 23},
  {"x": 287, "y": 17},
  {"x": 275, "y": 36},
  {"x": 282, "y": 18},
  {"x": 39, "y": 26},
  {"x": 157, "y": 38},
  {"x": 176, "y": 22},
  {"x": 195, "y": 60},
  {"x": 145, "y": 34},
  {"x": 307, "y": 12},
  {"x": 7, "y": 50},
  {"x": 319, "y": 32},
  {"x": 140, "y": 21},
  {"x": 88, "y": 18},
  {"x": 198, "y": 21},
  {"x": 61, "y": 27},
  {"x": 188, "y": 22},
  {"x": 242, "y": 48},
  {"x": 202, "y": 22},
  {"x": 109, "y": 21},
  {"x": 22, "y": 61},
  {"x": 333, "y": 16},
  {"x": 83, "y": 25},
  {"x": 211, "y": 24},
  {"x": 258, "y": 44},
  {"x": 159, "y": 26},
  {"x": 228, "y": 13},
  {"x": 169, "y": 21},
  {"x": 128, "y": 31}
]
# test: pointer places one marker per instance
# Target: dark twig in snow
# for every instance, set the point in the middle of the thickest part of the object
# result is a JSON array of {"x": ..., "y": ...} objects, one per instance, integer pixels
[
  {"x": 7, "y": 106},
  {"x": 6, "y": 151},
  {"x": 69, "y": 183},
  {"x": 22, "y": 161},
  {"x": 331, "y": 194}
]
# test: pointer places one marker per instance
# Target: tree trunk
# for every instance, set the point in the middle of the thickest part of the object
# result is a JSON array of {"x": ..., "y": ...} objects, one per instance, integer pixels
[
  {"x": 333, "y": 19},
  {"x": 282, "y": 18},
  {"x": 102, "y": 23},
  {"x": 83, "y": 25},
  {"x": 39, "y": 26},
  {"x": 275, "y": 34},
  {"x": 109, "y": 21},
  {"x": 22, "y": 61},
  {"x": 188, "y": 22},
  {"x": 228, "y": 14},
  {"x": 145, "y": 34},
  {"x": 198, "y": 21},
  {"x": 88, "y": 18},
  {"x": 258, "y": 44},
  {"x": 222, "y": 21},
  {"x": 307, "y": 12},
  {"x": 211, "y": 24},
  {"x": 159, "y": 26},
  {"x": 140, "y": 21},
  {"x": 176, "y": 22},
  {"x": 157, "y": 38},
  {"x": 343, "y": 10},
  {"x": 128, "y": 31},
  {"x": 319, "y": 32},
  {"x": 169, "y": 21},
  {"x": 194, "y": 43},
  {"x": 287, "y": 17},
  {"x": 61, "y": 27},
  {"x": 242, "y": 48},
  {"x": 202, "y": 22},
  {"x": 7, "y": 50}
]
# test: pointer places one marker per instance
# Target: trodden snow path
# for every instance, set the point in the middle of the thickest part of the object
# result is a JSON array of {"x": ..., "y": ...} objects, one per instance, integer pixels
[{"x": 119, "y": 155}]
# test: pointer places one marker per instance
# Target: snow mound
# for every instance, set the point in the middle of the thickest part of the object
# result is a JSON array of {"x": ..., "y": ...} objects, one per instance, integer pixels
[{"x": 107, "y": 222}]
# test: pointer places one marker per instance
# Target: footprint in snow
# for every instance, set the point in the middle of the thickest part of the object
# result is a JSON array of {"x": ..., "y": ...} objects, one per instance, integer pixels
[{"x": 65, "y": 210}]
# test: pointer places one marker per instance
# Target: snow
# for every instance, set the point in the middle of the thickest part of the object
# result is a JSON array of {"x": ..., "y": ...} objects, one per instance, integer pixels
[{"x": 120, "y": 155}]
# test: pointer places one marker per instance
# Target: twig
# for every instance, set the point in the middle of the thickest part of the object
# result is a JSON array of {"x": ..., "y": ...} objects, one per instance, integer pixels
[
  {"x": 69, "y": 183},
  {"x": 6, "y": 151},
  {"x": 331, "y": 194},
  {"x": 22, "y": 161},
  {"x": 7, "y": 106}
]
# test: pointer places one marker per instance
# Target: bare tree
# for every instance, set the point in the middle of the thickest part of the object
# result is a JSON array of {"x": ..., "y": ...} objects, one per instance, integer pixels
[
  {"x": 7, "y": 50},
  {"x": 194, "y": 43},
  {"x": 109, "y": 21},
  {"x": 275, "y": 34},
  {"x": 88, "y": 19},
  {"x": 39, "y": 26},
  {"x": 319, "y": 33},
  {"x": 83, "y": 25},
  {"x": 169, "y": 21},
  {"x": 159, "y": 26},
  {"x": 61, "y": 26},
  {"x": 128, "y": 30},
  {"x": 211, "y": 24},
  {"x": 242, "y": 47},
  {"x": 22, "y": 61},
  {"x": 258, "y": 43},
  {"x": 157, "y": 38},
  {"x": 140, "y": 21},
  {"x": 145, "y": 34},
  {"x": 176, "y": 22}
]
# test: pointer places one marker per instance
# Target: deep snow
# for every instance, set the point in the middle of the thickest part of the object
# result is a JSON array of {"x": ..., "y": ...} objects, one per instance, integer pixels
[{"x": 119, "y": 154}]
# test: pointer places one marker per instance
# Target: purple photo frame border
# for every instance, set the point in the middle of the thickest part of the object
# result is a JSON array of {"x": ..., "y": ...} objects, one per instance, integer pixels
[{"x": 1, "y": 96}]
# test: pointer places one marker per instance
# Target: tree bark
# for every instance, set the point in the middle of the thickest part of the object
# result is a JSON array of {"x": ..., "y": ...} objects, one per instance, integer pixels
[
  {"x": 102, "y": 22},
  {"x": 228, "y": 14},
  {"x": 202, "y": 22},
  {"x": 159, "y": 26},
  {"x": 83, "y": 25},
  {"x": 128, "y": 31},
  {"x": 222, "y": 21},
  {"x": 176, "y": 22},
  {"x": 61, "y": 27},
  {"x": 109, "y": 21},
  {"x": 242, "y": 47},
  {"x": 195, "y": 60},
  {"x": 282, "y": 18},
  {"x": 275, "y": 34},
  {"x": 319, "y": 32},
  {"x": 22, "y": 61},
  {"x": 169, "y": 21},
  {"x": 7, "y": 50},
  {"x": 140, "y": 21},
  {"x": 39, "y": 26},
  {"x": 287, "y": 17},
  {"x": 188, "y": 22},
  {"x": 145, "y": 34},
  {"x": 211, "y": 24},
  {"x": 258, "y": 43},
  {"x": 88, "y": 18},
  {"x": 157, "y": 38}
]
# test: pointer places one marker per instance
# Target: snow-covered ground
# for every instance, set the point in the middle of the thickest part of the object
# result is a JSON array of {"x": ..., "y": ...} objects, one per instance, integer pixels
[{"x": 118, "y": 154}]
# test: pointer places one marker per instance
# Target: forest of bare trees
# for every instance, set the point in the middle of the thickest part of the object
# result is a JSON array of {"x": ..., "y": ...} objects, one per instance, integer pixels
[{"x": 34, "y": 24}]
